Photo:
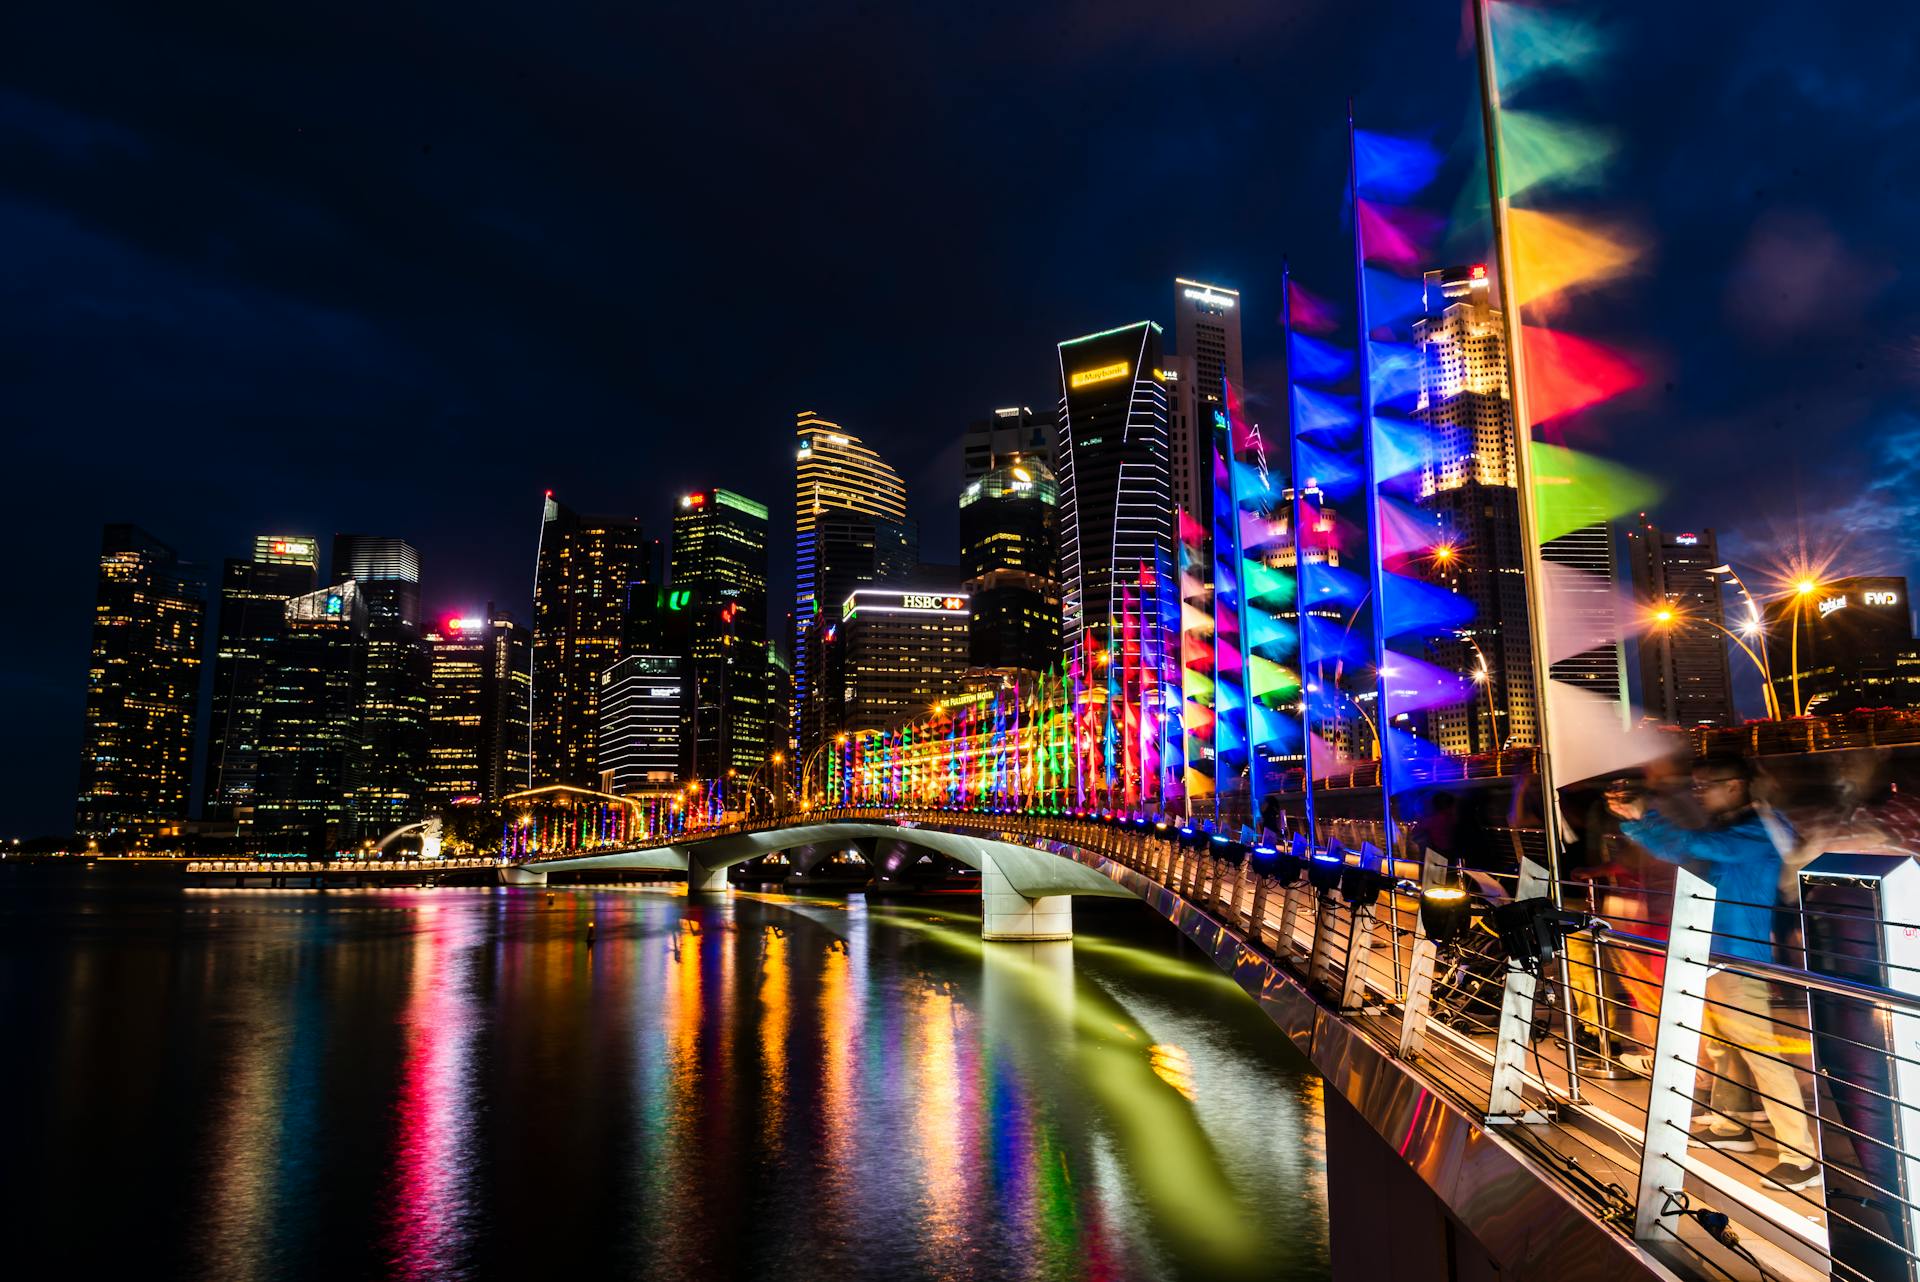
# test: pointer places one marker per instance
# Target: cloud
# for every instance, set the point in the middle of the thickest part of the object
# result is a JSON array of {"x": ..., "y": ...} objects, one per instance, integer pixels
[{"x": 1797, "y": 277}]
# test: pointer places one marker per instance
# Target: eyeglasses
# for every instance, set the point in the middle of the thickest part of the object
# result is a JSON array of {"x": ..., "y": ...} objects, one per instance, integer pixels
[{"x": 1702, "y": 785}]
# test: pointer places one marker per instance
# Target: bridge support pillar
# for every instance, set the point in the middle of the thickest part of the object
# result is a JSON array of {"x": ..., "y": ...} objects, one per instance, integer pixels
[
  {"x": 1006, "y": 914},
  {"x": 512, "y": 876},
  {"x": 702, "y": 880}
]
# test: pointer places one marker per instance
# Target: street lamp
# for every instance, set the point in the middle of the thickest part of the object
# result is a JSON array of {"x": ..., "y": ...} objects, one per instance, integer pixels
[
  {"x": 1802, "y": 590},
  {"x": 1665, "y": 617},
  {"x": 1483, "y": 677}
]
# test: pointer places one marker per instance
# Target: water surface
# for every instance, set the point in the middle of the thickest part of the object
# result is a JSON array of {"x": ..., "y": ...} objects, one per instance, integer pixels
[{"x": 455, "y": 1084}]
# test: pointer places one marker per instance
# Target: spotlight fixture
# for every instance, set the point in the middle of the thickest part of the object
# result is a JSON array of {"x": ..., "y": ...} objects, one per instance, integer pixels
[
  {"x": 1530, "y": 930},
  {"x": 1324, "y": 868},
  {"x": 1194, "y": 838},
  {"x": 1225, "y": 847},
  {"x": 1445, "y": 911},
  {"x": 1360, "y": 886}
]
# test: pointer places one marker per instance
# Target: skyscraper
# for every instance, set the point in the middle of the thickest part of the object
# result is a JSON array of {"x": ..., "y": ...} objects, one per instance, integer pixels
[
  {"x": 390, "y": 777},
  {"x": 143, "y": 689},
  {"x": 1116, "y": 497},
  {"x": 477, "y": 710},
  {"x": 312, "y": 697},
  {"x": 1684, "y": 679},
  {"x": 1002, "y": 435},
  {"x": 585, "y": 570},
  {"x": 253, "y": 598},
  {"x": 643, "y": 705},
  {"x": 720, "y": 560},
  {"x": 834, "y": 471},
  {"x": 1206, "y": 336},
  {"x": 851, "y": 549},
  {"x": 1009, "y": 552},
  {"x": 894, "y": 652}
]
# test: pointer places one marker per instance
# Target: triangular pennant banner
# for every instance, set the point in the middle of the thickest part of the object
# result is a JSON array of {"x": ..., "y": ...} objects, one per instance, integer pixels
[
  {"x": 1413, "y": 608},
  {"x": 1389, "y": 168}
]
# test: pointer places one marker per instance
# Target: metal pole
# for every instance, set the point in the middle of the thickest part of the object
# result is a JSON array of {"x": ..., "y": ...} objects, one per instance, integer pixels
[
  {"x": 1299, "y": 551},
  {"x": 1375, "y": 571}
]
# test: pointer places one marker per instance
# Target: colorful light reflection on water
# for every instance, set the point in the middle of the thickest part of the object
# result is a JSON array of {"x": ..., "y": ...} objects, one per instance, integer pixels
[{"x": 454, "y": 1084}]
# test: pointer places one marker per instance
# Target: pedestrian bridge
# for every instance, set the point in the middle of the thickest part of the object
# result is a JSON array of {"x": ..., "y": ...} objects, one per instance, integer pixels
[{"x": 1472, "y": 1130}]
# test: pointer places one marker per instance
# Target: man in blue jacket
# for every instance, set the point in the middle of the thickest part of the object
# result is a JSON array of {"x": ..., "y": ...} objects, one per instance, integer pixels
[{"x": 1738, "y": 851}]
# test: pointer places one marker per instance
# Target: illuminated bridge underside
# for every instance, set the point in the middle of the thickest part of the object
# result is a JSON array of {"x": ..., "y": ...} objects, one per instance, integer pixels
[{"x": 1024, "y": 893}]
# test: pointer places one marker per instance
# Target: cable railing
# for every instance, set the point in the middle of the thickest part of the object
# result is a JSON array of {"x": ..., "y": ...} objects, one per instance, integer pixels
[{"x": 1761, "y": 1119}]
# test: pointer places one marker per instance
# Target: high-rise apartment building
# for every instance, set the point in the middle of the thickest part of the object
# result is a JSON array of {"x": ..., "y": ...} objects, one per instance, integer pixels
[
  {"x": 1116, "y": 495},
  {"x": 477, "y": 710},
  {"x": 1015, "y": 431},
  {"x": 1684, "y": 677},
  {"x": 834, "y": 471},
  {"x": 720, "y": 561},
  {"x": 390, "y": 777},
  {"x": 143, "y": 690},
  {"x": 893, "y": 653},
  {"x": 587, "y": 567},
  {"x": 312, "y": 697},
  {"x": 1463, "y": 387},
  {"x": 643, "y": 712},
  {"x": 1009, "y": 553},
  {"x": 1206, "y": 337},
  {"x": 253, "y": 596}
]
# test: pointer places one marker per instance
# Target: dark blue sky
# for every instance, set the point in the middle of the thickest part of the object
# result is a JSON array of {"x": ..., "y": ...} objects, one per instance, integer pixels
[{"x": 353, "y": 269}]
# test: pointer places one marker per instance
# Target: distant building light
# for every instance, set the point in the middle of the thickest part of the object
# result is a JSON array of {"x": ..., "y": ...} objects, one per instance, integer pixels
[
  {"x": 1832, "y": 603},
  {"x": 462, "y": 625},
  {"x": 1478, "y": 272},
  {"x": 1686, "y": 540},
  {"x": 1209, "y": 297},
  {"x": 1880, "y": 598}
]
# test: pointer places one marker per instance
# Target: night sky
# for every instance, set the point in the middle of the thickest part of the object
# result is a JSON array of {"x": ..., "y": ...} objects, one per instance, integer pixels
[{"x": 340, "y": 269}]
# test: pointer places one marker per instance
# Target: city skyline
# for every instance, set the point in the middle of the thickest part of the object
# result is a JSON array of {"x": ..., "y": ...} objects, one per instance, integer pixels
[{"x": 1785, "y": 263}]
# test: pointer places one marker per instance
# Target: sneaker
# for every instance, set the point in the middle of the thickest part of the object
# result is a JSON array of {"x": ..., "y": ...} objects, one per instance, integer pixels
[
  {"x": 1740, "y": 1141},
  {"x": 1723, "y": 1122},
  {"x": 1637, "y": 1062},
  {"x": 1789, "y": 1176}
]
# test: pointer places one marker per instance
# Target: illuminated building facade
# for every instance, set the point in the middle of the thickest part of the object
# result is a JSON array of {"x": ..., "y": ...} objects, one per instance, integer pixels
[
  {"x": 852, "y": 549},
  {"x": 720, "y": 562},
  {"x": 1009, "y": 553},
  {"x": 143, "y": 690},
  {"x": 1684, "y": 677},
  {"x": 834, "y": 471},
  {"x": 477, "y": 710},
  {"x": 1116, "y": 498},
  {"x": 587, "y": 567},
  {"x": 1851, "y": 643},
  {"x": 1206, "y": 336},
  {"x": 643, "y": 713},
  {"x": 390, "y": 778},
  {"x": 1015, "y": 431},
  {"x": 253, "y": 597},
  {"x": 315, "y": 686},
  {"x": 894, "y": 653}
]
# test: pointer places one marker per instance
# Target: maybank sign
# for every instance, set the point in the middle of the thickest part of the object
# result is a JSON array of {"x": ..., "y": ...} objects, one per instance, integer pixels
[{"x": 1100, "y": 374}]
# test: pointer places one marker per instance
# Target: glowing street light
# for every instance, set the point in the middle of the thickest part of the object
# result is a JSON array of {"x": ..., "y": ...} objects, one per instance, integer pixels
[{"x": 1664, "y": 617}]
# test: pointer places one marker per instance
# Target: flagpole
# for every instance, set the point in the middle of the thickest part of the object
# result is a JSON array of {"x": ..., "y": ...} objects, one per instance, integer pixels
[
  {"x": 1537, "y": 631},
  {"x": 1299, "y": 551},
  {"x": 1375, "y": 570}
]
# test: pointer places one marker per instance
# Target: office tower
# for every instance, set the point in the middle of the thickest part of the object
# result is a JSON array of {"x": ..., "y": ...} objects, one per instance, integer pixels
[
  {"x": 1002, "y": 435},
  {"x": 1468, "y": 486},
  {"x": 311, "y": 701},
  {"x": 643, "y": 703},
  {"x": 894, "y": 652},
  {"x": 143, "y": 689},
  {"x": 834, "y": 472},
  {"x": 388, "y": 572},
  {"x": 477, "y": 710},
  {"x": 253, "y": 598},
  {"x": 1116, "y": 497},
  {"x": 1684, "y": 677},
  {"x": 1849, "y": 640},
  {"x": 851, "y": 549},
  {"x": 1206, "y": 336},
  {"x": 1009, "y": 554},
  {"x": 391, "y": 776},
  {"x": 586, "y": 569},
  {"x": 720, "y": 561}
]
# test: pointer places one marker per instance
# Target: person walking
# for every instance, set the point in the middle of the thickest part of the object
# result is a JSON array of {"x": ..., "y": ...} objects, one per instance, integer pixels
[{"x": 1738, "y": 851}]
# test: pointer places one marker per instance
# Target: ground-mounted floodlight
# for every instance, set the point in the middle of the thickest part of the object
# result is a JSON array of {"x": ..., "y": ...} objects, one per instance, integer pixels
[
  {"x": 1325, "y": 866},
  {"x": 1445, "y": 912},
  {"x": 1530, "y": 930}
]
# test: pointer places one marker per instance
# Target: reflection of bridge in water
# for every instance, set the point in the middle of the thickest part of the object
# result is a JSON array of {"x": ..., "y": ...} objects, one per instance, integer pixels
[{"x": 1495, "y": 1138}]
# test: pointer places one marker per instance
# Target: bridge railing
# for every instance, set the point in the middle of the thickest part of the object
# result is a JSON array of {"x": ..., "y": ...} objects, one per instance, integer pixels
[{"x": 1659, "y": 1068}]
